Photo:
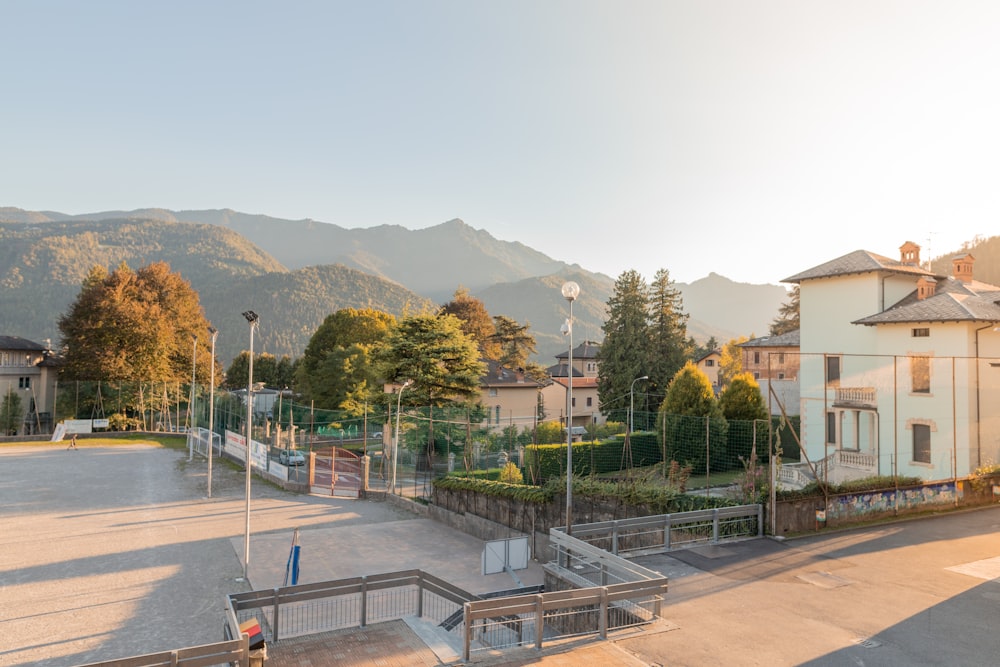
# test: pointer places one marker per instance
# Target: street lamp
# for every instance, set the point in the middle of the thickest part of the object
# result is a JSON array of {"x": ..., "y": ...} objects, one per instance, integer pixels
[
  {"x": 194, "y": 370},
  {"x": 252, "y": 320},
  {"x": 631, "y": 422},
  {"x": 395, "y": 447},
  {"x": 570, "y": 290},
  {"x": 211, "y": 410}
]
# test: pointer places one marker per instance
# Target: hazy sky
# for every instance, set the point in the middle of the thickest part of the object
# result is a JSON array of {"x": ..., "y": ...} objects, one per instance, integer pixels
[{"x": 753, "y": 139}]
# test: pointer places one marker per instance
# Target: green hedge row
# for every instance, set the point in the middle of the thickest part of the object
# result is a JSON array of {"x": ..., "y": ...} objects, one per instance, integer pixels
[{"x": 546, "y": 462}]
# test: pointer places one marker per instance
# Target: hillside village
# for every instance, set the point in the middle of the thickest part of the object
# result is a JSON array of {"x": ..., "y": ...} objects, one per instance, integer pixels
[{"x": 894, "y": 371}]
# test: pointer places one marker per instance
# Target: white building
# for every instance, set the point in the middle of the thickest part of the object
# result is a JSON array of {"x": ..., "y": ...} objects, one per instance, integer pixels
[{"x": 900, "y": 368}]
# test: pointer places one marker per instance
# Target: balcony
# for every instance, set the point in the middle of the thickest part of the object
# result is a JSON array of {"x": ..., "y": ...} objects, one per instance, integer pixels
[{"x": 856, "y": 397}]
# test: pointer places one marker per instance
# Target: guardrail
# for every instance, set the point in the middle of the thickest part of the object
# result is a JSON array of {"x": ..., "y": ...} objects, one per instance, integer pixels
[
  {"x": 663, "y": 532},
  {"x": 221, "y": 653},
  {"x": 293, "y": 611}
]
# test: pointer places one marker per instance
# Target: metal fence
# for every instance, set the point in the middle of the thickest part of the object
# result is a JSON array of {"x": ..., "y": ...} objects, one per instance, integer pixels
[{"x": 662, "y": 532}]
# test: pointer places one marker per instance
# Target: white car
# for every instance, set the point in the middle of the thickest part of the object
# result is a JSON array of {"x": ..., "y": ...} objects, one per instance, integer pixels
[{"x": 291, "y": 457}]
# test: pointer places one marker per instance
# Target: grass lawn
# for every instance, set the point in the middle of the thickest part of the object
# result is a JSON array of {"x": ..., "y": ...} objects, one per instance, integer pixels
[{"x": 171, "y": 440}]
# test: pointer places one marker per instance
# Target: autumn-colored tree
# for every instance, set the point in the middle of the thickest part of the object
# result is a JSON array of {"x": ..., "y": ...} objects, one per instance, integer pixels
[
  {"x": 731, "y": 360},
  {"x": 476, "y": 322},
  {"x": 741, "y": 399},
  {"x": 135, "y": 325}
]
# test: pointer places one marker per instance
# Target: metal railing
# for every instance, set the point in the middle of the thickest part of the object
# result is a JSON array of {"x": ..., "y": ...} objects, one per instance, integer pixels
[
  {"x": 663, "y": 532},
  {"x": 305, "y": 609}
]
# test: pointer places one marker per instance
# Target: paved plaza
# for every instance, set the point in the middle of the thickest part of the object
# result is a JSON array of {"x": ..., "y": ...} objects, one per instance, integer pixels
[{"x": 108, "y": 552}]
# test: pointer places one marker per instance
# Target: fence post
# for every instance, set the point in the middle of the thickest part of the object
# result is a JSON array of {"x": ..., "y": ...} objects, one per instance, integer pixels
[
  {"x": 666, "y": 533},
  {"x": 364, "y": 601},
  {"x": 539, "y": 622},
  {"x": 715, "y": 525},
  {"x": 760, "y": 521},
  {"x": 602, "y": 623},
  {"x": 614, "y": 537},
  {"x": 420, "y": 594},
  {"x": 274, "y": 616},
  {"x": 467, "y": 633}
]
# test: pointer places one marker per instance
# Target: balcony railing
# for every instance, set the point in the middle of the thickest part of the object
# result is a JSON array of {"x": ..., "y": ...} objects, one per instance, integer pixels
[{"x": 857, "y": 397}]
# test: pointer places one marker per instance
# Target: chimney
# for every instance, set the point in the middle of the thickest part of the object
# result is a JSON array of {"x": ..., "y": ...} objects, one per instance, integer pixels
[
  {"x": 925, "y": 288},
  {"x": 961, "y": 267},
  {"x": 909, "y": 253}
]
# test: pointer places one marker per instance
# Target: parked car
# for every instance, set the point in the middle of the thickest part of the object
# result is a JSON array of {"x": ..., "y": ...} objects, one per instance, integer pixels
[
  {"x": 291, "y": 457},
  {"x": 377, "y": 435}
]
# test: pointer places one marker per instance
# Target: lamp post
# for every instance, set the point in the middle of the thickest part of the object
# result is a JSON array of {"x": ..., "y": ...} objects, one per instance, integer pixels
[
  {"x": 211, "y": 410},
  {"x": 194, "y": 370},
  {"x": 631, "y": 403},
  {"x": 395, "y": 433},
  {"x": 252, "y": 320},
  {"x": 570, "y": 290}
]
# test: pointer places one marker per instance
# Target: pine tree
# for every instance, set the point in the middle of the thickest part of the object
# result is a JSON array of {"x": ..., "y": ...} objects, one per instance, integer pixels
[
  {"x": 624, "y": 354},
  {"x": 514, "y": 342},
  {"x": 788, "y": 315},
  {"x": 669, "y": 344},
  {"x": 476, "y": 321}
]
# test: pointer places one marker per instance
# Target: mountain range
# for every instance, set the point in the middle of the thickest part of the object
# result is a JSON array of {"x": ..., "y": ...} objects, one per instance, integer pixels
[{"x": 294, "y": 273}]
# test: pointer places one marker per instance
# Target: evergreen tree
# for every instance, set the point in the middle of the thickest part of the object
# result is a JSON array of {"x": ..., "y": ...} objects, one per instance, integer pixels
[
  {"x": 788, "y": 315},
  {"x": 742, "y": 400},
  {"x": 689, "y": 419},
  {"x": 624, "y": 354},
  {"x": 669, "y": 346},
  {"x": 514, "y": 342}
]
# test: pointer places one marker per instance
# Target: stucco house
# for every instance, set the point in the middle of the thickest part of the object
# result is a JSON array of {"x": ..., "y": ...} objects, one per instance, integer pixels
[
  {"x": 899, "y": 368},
  {"x": 509, "y": 395},
  {"x": 29, "y": 369},
  {"x": 710, "y": 364},
  {"x": 586, "y": 407},
  {"x": 774, "y": 363}
]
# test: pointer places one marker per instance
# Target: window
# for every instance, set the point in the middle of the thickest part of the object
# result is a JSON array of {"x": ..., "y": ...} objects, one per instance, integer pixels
[
  {"x": 756, "y": 375},
  {"x": 574, "y": 401},
  {"x": 833, "y": 370},
  {"x": 756, "y": 357},
  {"x": 920, "y": 375},
  {"x": 590, "y": 401},
  {"x": 709, "y": 363},
  {"x": 921, "y": 332},
  {"x": 781, "y": 376},
  {"x": 921, "y": 443},
  {"x": 831, "y": 428},
  {"x": 24, "y": 383},
  {"x": 493, "y": 391}
]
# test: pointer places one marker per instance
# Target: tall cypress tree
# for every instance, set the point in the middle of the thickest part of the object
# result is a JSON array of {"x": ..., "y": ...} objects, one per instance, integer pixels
[
  {"x": 669, "y": 344},
  {"x": 624, "y": 354}
]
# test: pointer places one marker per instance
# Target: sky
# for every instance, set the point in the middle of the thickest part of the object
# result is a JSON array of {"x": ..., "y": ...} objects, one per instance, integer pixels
[{"x": 754, "y": 139}]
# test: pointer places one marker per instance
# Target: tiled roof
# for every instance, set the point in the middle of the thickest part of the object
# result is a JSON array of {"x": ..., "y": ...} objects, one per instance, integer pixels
[
  {"x": 578, "y": 383},
  {"x": 859, "y": 261},
  {"x": 953, "y": 301},
  {"x": 559, "y": 370},
  {"x": 789, "y": 339},
  {"x": 588, "y": 349},
  {"x": 498, "y": 376},
  {"x": 18, "y": 343}
]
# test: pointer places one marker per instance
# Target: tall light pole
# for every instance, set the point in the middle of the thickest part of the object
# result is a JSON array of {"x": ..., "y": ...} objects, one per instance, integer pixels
[
  {"x": 194, "y": 370},
  {"x": 252, "y": 320},
  {"x": 570, "y": 290},
  {"x": 211, "y": 410},
  {"x": 395, "y": 433},
  {"x": 631, "y": 403}
]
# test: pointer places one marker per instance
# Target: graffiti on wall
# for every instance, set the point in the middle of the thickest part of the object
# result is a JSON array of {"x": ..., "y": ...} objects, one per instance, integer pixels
[{"x": 853, "y": 505}]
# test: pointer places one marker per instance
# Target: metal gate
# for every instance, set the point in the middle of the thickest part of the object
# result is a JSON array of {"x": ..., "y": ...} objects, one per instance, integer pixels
[{"x": 336, "y": 472}]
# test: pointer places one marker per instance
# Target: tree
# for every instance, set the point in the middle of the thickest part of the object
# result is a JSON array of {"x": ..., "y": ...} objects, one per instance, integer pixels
[
  {"x": 688, "y": 415},
  {"x": 741, "y": 399},
  {"x": 731, "y": 360},
  {"x": 11, "y": 412},
  {"x": 788, "y": 315},
  {"x": 476, "y": 322},
  {"x": 669, "y": 347},
  {"x": 624, "y": 353},
  {"x": 438, "y": 357},
  {"x": 267, "y": 370},
  {"x": 337, "y": 369},
  {"x": 513, "y": 341},
  {"x": 135, "y": 325}
]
